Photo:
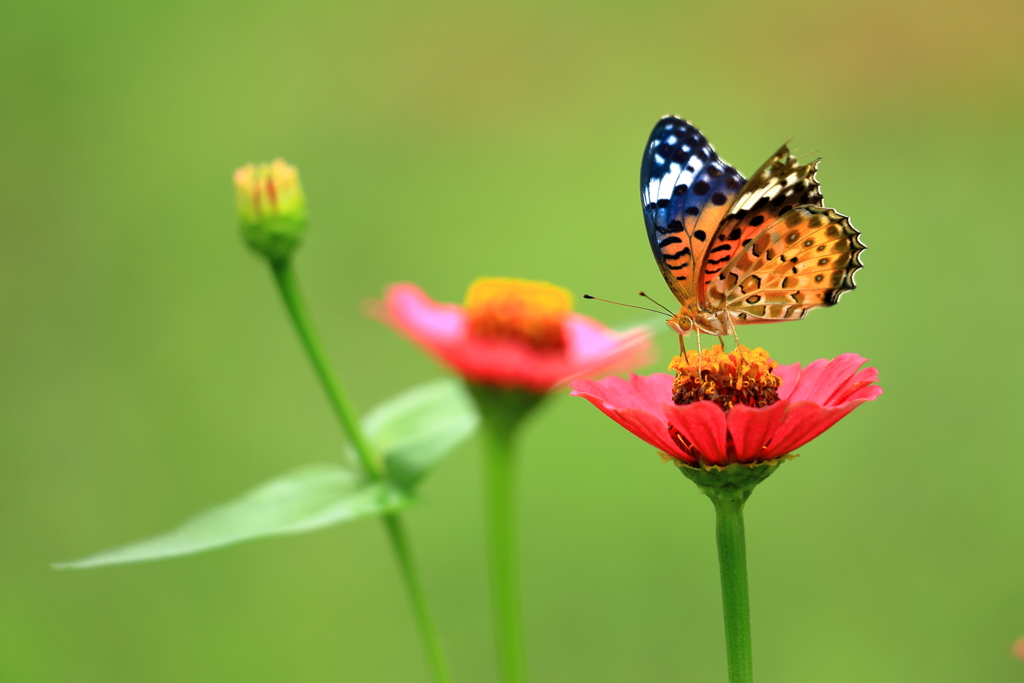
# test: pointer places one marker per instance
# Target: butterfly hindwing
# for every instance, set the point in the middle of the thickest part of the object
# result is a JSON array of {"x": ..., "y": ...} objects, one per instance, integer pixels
[
  {"x": 804, "y": 259},
  {"x": 781, "y": 184},
  {"x": 685, "y": 190}
]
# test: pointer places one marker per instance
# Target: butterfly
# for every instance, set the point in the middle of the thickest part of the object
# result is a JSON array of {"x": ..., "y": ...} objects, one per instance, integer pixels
[{"x": 736, "y": 251}]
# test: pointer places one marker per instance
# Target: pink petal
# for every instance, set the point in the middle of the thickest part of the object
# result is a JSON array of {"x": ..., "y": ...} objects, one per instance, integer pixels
[
  {"x": 442, "y": 329},
  {"x": 586, "y": 338},
  {"x": 593, "y": 349},
  {"x": 425, "y": 320},
  {"x": 703, "y": 425}
]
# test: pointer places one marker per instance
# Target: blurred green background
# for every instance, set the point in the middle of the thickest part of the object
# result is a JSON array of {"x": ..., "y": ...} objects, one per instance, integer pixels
[{"x": 147, "y": 370}]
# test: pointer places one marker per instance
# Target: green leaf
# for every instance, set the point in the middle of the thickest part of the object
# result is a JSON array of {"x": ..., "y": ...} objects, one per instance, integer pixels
[
  {"x": 307, "y": 498},
  {"x": 417, "y": 428},
  {"x": 413, "y": 431}
]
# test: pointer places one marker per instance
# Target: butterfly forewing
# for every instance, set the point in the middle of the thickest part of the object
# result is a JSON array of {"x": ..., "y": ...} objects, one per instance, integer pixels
[
  {"x": 777, "y": 187},
  {"x": 686, "y": 191},
  {"x": 804, "y": 259}
]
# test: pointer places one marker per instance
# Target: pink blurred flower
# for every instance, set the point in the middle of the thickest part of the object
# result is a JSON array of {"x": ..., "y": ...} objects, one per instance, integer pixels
[
  {"x": 513, "y": 334},
  {"x": 1018, "y": 648},
  {"x": 735, "y": 408}
]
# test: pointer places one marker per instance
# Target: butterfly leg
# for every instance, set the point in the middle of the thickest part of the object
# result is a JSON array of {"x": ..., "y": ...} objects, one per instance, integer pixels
[
  {"x": 682, "y": 347},
  {"x": 735, "y": 336},
  {"x": 721, "y": 342},
  {"x": 700, "y": 354}
]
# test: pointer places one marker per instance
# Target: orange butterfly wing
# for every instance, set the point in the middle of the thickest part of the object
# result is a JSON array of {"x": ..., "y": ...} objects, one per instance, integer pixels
[
  {"x": 804, "y": 259},
  {"x": 779, "y": 185}
]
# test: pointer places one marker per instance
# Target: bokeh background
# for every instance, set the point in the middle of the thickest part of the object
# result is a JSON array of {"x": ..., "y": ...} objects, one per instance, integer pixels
[{"x": 147, "y": 370}]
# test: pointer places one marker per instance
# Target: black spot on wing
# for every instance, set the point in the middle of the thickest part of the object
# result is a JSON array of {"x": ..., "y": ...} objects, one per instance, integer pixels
[
  {"x": 679, "y": 170},
  {"x": 680, "y": 175}
]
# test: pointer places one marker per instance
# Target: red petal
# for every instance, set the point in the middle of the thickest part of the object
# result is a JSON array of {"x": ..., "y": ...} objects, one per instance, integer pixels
[
  {"x": 822, "y": 380},
  {"x": 703, "y": 425},
  {"x": 644, "y": 392},
  {"x": 803, "y": 422},
  {"x": 789, "y": 374},
  {"x": 629, "y": 404},
  {"x": 861, "y": 386},
  {"x": 753, "y": 428}
]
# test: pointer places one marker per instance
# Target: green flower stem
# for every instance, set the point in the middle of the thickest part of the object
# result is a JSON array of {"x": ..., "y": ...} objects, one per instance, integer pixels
[
  {"x": 501, "y": 411},
  {"x": 732, "y": 562},
  {"x": 728, "y": 488},
  {"x": 403, "y": 551},
  {"x": 287, "y": 283},
  {"x": 499, "y": 476},
  {"x": 284, "y": 274}
]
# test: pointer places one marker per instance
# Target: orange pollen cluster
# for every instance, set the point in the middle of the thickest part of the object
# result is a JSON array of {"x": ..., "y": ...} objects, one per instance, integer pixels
[
  {"x": 743, "y": 376},
  {"x": 518, "y": 310}
]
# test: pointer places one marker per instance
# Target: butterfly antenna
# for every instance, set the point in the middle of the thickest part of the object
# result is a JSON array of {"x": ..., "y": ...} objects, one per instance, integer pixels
[
  {"x": 607, "y": 301},
  {"x": 667, "y": 309}
]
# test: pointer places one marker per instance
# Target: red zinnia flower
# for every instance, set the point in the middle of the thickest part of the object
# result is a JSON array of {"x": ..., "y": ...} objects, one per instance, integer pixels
[
  {"x": 740, "y": 407},
  {"x": 513, "y": 334}
]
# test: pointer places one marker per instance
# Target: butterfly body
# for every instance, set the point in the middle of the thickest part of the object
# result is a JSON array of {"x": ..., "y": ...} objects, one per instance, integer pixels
[{"x": 736, "y": 251}]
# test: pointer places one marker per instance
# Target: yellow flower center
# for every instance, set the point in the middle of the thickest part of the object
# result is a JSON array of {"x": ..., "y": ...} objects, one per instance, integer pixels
[
  {"x": 743, "y": 376},
  {"x": 518, "y": 310}
]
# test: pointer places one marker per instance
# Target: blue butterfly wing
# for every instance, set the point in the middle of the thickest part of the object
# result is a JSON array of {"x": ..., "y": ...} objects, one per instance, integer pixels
[{"x": 685, "y": 191}]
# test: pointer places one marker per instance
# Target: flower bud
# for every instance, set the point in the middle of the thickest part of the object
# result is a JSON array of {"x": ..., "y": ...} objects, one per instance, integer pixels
[{"x": 271, "y": 208}]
